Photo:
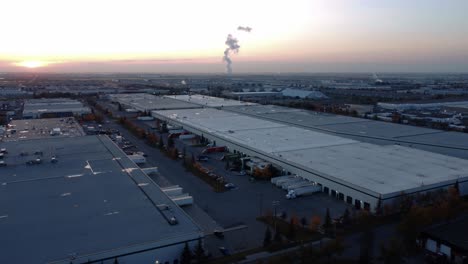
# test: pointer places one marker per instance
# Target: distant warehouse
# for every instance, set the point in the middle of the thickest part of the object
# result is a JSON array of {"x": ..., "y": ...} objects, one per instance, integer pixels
[
  {"x": 362, "y": 174},
  {"x": 56, "y": 107}
]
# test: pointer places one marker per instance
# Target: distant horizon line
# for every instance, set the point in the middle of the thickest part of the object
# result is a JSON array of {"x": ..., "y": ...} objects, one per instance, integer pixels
[{"x": 235, "y": 74}]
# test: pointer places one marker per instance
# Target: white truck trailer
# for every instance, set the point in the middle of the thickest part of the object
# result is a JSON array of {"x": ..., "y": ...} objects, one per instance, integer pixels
[
  {"x": 286, "y": 184},
  {"x": 138, "y": 159},
  {"x": 304, "y": 183},
  {"x": 280, "y": 182},
  {"x": 275, "y": 179},
  {"x": 303, "y": 191},
  {"x": 145, "y": 118}
]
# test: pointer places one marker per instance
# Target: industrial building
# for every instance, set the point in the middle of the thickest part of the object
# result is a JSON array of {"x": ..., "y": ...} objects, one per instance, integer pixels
[
  {"x": 82, "y": 200},
  {"x": 365, "y": 175},
  {"x": 146, "y": 102},
  {"x": 208, "y": 101},
  {"x": 447, "y": 242},
  {"x": 365, "y": 130},
  {"x": 303, "y": 94},
  {"x": 42, "y": 128},
  {"x": 56, "y": 107}
]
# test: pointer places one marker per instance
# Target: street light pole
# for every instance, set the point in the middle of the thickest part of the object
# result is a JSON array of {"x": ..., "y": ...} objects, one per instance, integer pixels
[{"x": 275, "y": 204}]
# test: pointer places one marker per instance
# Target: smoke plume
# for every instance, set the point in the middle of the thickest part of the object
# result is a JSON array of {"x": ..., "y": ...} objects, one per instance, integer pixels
[
  {"x": 246, "y": 29},
  {"x": 232, "y": 47}
]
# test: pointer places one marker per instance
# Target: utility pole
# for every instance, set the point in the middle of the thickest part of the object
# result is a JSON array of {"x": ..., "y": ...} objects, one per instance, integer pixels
[{"x": 275, "y": 205}]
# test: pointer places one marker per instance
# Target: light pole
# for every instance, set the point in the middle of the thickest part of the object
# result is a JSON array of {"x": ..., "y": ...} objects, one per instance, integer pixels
[
  {"x": 275, "y": 205},
  {"x": 261, "y": 204}
]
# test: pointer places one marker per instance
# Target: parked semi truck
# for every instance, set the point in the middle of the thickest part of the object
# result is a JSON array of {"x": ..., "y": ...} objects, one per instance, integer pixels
[
  {"x": 214, "y": 149},
  {"x": 303, "y": 191}
]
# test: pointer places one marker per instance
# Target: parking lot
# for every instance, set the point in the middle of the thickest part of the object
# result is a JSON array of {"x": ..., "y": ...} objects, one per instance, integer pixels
[{"x": 235, "y": 209}]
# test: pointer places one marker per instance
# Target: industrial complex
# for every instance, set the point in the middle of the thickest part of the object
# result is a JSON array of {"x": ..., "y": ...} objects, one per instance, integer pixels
[
  {"x": 356, "y": 172},
  {"x": 57, "y": 107},
  {"x": 82, "y": 200}
]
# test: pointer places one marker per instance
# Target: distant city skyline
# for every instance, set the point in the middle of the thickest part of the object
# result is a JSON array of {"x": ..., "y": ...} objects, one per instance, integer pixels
[{"x": 188, "y": 36}]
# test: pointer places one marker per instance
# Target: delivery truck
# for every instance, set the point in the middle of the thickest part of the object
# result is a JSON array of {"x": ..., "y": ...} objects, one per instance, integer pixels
[{"x": 303, "y": 191}]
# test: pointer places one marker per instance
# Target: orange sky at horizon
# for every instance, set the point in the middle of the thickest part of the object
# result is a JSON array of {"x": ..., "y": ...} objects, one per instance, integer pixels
[{"x": 58, "y": 34}]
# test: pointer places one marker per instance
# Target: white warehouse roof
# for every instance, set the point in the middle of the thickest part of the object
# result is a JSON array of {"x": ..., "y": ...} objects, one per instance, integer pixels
[
  {"x": 380, "y": 169},
  {"x": 208, "y": 101}
]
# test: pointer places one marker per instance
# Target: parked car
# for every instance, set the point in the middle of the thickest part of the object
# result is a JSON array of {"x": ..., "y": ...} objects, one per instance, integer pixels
[
  {"x": 34, "y": 162},
  {"x": 2, "y": 163},
  {"x": 230, "y": 185}
]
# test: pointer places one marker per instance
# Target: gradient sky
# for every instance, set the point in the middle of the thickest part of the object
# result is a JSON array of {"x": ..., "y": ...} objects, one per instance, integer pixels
[{"x": 188, "y": 36}]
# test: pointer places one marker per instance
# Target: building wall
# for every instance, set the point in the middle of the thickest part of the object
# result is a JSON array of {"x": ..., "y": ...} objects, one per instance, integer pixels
[{"x": 168, "y": 250}]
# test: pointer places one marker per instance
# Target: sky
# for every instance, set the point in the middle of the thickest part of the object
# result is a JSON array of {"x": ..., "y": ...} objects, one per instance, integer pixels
[{"x": 189, "y": 36}]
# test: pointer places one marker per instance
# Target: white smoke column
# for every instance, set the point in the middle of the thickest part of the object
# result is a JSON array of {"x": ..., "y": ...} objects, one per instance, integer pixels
[
  {"x": 246, "y": 29},
  {"x": 233, "y": 46}
]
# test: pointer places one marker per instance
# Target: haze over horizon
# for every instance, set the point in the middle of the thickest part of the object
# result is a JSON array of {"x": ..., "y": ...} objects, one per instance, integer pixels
[{"x": 188, "y": 36}]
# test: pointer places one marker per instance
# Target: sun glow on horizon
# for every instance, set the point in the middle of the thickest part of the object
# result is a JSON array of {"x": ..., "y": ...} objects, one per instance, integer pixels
[{"x": 32, "y": 64}]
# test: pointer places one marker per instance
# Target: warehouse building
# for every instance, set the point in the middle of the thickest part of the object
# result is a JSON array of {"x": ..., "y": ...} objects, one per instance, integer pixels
[
  {"x": 146, "y": 102},
  {"x": 365, "y": 130},
  {"x": 86, "y": 202},
  {"x": 365, "y": 175},
  {"x": 208, "y": 101},
  {"x": 56, "y": 107},
  {"x": 42, "y": 128}
]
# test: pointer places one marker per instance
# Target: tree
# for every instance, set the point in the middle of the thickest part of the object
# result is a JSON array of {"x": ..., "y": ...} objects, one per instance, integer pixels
[
  {"x": 291, "y": 229},
  {"x": 186, "y": 257},
  {"x": 199, "y": 252},
  {"x": 161, "y": 143},
  {"x": 314, "y": 223},
  {"x": 184, "y": 152},
  {"x": 267, "y": 237},
  {"x": 284, "y": 215},
  {"x": 277, "y": 238},
  {"x": 328, "y": 223},
  {"x": 332, "y": 247},
  {"x": 116, "y": 261},
  {"x": 170, "y": 142},
  {"x": 346, "y": 217},
  {"x": 367, "y": 242}
]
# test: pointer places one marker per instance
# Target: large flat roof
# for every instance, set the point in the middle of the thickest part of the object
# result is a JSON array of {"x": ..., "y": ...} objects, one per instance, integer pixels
[
  {"x": 208, "y": 101},
  {"x": 93, "y": 201},
  {"x": 365, "y": 130},
  {"x": 41, "y": 128},
  {"x": 368, "y": 166},
  {"x": 147, "y": 102},
  {"x": 53, "y": 105}
]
